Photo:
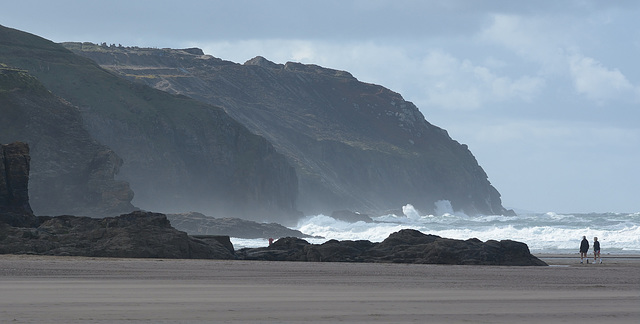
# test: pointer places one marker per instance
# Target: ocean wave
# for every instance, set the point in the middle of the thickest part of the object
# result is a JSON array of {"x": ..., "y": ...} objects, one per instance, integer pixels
[{"x": 544, "y": 232}]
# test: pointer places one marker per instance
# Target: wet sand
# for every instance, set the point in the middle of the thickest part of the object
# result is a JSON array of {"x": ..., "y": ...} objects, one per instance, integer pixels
[{"x": 37, "y": 289}]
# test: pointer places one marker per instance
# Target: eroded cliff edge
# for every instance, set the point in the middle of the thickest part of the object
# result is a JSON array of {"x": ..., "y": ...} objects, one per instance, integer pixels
[{"x": 354, "y": 145}]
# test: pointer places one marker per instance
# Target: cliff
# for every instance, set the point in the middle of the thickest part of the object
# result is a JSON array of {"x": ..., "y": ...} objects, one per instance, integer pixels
[
  {"x": 177, "y": 154},
  {"x": 355, "y": 146},
  {"x": 14, "y": 185},
  {"x": 71, "y": 173}
]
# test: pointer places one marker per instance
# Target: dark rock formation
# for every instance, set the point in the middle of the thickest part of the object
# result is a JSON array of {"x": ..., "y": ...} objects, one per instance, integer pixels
[
  {"x": 71, "y": 173},
  {"x": 138, "y": 234},
  {"x": 355, "y": 146},
  {"x": 14, "y": 185},
  {"x": 405, "y": 246},
  {"x": 215, "y": 240},
  {"x": 177, "y": 154},
  {"x": 199, "y": 224},
  {"x": 135, "y": 235}
]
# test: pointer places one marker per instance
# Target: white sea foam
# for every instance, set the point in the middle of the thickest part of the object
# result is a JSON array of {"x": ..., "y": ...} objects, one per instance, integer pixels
[{"x": 547, "y": 232}]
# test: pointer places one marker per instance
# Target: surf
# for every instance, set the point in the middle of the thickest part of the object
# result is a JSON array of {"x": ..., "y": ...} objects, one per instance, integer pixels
[{"x": 619, "y": 233}]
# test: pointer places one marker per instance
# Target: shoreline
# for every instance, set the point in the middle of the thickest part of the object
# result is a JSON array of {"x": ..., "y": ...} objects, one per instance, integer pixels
[
  {"x": 49, "y": 289},
  {"x": 562, "y": 259}
]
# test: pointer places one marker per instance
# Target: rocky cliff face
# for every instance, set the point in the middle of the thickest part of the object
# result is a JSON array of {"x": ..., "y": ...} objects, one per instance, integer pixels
[
  {"x": 354, "y": 145},
  {"x": 177, "y": 154},
  {"x": 14, "y": 185},
  {"x": 71, "y": 173}
]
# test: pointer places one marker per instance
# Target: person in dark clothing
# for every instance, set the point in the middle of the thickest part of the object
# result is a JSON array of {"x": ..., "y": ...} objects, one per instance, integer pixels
[
  {"x": 596, "y": 250},
  {"x": 584, "y": 248}
]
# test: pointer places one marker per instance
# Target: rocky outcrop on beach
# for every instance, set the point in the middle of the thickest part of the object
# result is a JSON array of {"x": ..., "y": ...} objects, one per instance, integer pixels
[
  {"x": 198, "y": 224},
  {"x": 405, "y": 246},
  {"x": 134, "y": 235},
  {"x": 14, "y": 185}
]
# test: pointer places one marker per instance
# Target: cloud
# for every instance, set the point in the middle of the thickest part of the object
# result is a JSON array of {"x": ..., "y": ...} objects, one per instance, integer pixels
[
  {"x": 461, "y": 84},
  {"x": 556, "y": 45},
  {"x": 598, "y": 82},
  {"x": 537, "y": 39},
  {"x": 556, "y": 165},
  {"x": 592, "y": 136},
  {"x": 432, "y": 77}
]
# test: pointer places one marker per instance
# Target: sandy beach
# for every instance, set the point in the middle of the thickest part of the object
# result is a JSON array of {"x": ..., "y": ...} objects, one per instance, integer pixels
[{"x": 38, "y": 289}]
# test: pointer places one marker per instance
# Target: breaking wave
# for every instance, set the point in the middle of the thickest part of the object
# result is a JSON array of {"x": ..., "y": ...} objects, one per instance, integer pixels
[{"x": 618, "y": 233}]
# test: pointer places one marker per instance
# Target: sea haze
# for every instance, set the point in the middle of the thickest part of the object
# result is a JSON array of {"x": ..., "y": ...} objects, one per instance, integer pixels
[{"x": 618, "y": 233}]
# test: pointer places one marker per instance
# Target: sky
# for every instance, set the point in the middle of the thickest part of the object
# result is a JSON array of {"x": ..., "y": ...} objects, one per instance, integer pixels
[{"x": 546, "y": 94}]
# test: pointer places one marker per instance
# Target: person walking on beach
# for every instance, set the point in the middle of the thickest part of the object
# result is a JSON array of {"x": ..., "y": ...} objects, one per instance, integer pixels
[
  {"x": 596, "y": 250},
  {"x": 584, "y": 248}
]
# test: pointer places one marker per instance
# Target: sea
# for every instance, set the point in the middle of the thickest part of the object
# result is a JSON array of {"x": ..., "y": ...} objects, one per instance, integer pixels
[{"x": 550, "y": 232}]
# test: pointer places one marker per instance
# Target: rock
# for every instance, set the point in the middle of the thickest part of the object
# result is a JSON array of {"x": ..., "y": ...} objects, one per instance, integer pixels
[
  {"x": 134, "y": 235},
  {"x": 194, "y": 51},
  {"x": 108, "y": 194},
  {"x": 263, "y": 62},
  {"x": 405, "y": 246},
  {"x": 14, "y": 176},
  {"x": 284, "y": 249},
  {"x": 339, "y": 251},
  {"x": 138, "y": 234},
  {"x": 198, "y": 224},
  {"x": 14, "y": 185},
  {"x": 224, "y": 240}
]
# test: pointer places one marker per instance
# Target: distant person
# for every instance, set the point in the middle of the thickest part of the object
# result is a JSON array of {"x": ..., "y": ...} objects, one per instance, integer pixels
[
  {"x": 584, "y": 248},
  {"x": 596, "y": 250}
]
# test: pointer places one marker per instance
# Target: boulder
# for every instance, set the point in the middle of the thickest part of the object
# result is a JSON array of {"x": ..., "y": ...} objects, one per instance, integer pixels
[{"x": 285, "y": 249}]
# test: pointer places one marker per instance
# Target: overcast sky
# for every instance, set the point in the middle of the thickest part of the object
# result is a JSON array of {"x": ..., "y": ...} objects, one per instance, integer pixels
[{"x": 545, "y": 93}]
